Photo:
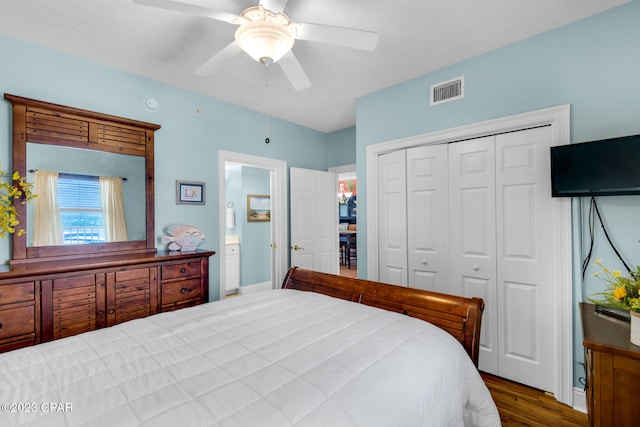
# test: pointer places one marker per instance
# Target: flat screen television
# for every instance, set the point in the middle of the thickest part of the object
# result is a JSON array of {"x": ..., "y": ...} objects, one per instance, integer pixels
[{"x": 608, "y": 167}]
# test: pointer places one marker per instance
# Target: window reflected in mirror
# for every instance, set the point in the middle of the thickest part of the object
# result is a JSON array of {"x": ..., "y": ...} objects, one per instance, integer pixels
[{"x": 80, "y": 209}]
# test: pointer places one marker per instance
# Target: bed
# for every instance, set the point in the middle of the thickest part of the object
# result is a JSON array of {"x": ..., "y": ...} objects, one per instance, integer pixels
[{"x": 321, "y": 351}]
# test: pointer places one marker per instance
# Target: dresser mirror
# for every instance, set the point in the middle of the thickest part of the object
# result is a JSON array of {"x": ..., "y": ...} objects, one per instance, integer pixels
[
  {"x": 82, "y": 147},
  {"x": 78, "y": 162}
]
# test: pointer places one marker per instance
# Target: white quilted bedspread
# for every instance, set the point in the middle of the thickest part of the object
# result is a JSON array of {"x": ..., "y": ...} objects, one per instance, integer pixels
[{"x": 277, "y": 358}]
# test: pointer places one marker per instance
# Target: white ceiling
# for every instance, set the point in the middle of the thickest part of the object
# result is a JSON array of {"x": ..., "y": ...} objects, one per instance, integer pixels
[{"x": 415, "y": 37}]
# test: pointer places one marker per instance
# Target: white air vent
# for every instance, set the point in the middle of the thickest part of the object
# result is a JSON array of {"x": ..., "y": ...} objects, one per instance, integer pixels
[{"x": 447, "y": 91}]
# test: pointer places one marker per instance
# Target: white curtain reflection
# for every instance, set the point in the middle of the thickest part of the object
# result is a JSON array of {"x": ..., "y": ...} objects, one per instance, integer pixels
[
  {"x": 115, "y": 228},
  {"x": 47, "y": 229}
]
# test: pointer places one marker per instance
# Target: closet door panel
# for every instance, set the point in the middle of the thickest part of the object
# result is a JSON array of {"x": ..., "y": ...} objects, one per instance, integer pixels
[
  {"x": 473, "y": 234},
  {"x": 524, "y": 248},
  {"x": 427, "y": 218},
  {"x": 392, "y": 218}
]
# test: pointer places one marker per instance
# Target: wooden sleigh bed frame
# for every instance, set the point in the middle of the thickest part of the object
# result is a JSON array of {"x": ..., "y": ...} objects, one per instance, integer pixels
[{"x": 459, "y": 316}]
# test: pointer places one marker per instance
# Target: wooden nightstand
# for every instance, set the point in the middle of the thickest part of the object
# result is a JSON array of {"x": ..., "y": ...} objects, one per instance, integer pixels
[{"x": 613, "y": 370}]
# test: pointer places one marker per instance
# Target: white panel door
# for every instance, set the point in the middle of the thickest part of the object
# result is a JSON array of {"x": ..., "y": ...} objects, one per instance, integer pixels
[
  {"x": 314, "y": 220},
  {"x": 428, "y": 218},
  {"x": 472, "y": 231},
  {"x": 524, "y": 248},
  {"x": 392, "y": 218}
]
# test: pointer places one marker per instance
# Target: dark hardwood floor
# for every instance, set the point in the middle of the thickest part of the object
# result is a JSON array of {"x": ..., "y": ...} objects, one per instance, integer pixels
[{"x": 520, "y": 405}]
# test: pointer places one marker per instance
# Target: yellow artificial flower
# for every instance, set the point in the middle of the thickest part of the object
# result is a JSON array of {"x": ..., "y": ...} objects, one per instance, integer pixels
[
  {"x": 11, "y": 193},
  {"x": 619, "y": 292}
]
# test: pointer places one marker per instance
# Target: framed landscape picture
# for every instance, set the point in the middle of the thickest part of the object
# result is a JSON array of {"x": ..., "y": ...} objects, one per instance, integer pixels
[{"x": 258, "y": 208}]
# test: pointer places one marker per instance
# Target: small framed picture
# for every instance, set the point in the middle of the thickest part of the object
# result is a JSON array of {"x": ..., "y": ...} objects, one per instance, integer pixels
[
  {"x": 258, "y": 208},
  {"x": 190, "y": 193}
]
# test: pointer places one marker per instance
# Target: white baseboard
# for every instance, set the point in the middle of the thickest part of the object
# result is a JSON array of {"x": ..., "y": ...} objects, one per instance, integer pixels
[
  {"x": 253, "y": 288},
  {"x": 579, "y": 400}
]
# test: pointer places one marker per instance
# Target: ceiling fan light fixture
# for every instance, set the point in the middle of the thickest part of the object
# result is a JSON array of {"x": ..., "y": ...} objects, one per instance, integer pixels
[{"x": 264, "y": 39}]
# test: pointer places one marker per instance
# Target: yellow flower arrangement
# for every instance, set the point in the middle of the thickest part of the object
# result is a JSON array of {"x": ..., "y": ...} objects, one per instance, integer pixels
[
  {"x": 20, "y": 189},
  {"x": 621, "y": 291}
]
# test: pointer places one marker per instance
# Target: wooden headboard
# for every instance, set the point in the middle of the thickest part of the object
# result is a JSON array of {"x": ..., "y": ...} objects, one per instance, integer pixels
[{"x": 459, "y": 316}]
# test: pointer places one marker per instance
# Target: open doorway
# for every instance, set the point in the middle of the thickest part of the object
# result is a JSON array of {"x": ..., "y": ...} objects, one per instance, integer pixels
[
  {"x": 347, "y": 190},
  {"x": 245, "y": 180}
]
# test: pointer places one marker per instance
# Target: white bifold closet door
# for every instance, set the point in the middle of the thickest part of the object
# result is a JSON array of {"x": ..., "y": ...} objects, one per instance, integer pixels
[
  {"x": 414, "y": 249},
  {"x": 472, "y": 209},
  {"x": 474, "y": 219},
  {"x": 525, "y": 240},
  {"x": 392, "y": 218},
  {"x": 427, "y": 235}
]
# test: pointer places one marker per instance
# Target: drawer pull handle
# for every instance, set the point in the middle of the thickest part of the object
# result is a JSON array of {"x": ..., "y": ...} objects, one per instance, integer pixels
[
  {"x": 111, "y": 311},
  {"x": 184, "y": 290},
  {"x": 0, "y": 325},
  {"x": 183, "y": 269}
]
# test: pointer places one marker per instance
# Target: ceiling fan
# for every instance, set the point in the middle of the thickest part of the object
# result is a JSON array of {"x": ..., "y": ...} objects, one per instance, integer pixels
[{"x": 267, "y": 34}]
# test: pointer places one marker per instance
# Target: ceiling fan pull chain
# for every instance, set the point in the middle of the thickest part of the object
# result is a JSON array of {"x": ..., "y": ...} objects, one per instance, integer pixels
[{"x": 266, "y": 78}]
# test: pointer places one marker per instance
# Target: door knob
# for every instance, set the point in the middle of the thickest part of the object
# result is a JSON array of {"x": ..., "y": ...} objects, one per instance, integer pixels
[
  {"x": 297, "y": 248},
  {"x": 476, "y": 268},
  {"x": 424, "y": 262}
]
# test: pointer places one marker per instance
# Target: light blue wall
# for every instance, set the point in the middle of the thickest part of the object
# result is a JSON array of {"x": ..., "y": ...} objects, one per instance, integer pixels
[
  {"x": 341, "y": 147},
  {"x": 186, "y": 147},
  {"x": 591, "y": 64},
  {"x": 621, "y": 218}
]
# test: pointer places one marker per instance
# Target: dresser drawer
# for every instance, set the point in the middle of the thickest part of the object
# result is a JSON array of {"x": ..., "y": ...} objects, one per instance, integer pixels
[
  {"x": 137, "y": 275},
  {"x": 17, "y": 321},
  {"x": 14, "y": 345},
  {"x": 17, "y": 292},
  {"x": 180, "y": 270},
  {"x": 184, "y": 290}
]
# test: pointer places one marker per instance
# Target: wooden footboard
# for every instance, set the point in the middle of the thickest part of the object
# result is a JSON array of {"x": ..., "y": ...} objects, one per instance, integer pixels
[{"x": 459, "y": 316}]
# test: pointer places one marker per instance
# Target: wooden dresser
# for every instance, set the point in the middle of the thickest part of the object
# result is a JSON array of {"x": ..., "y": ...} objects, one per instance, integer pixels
[
  {"x": 46, "y": 301},
  {"x": 55, "y": 289},
  {"x": 613, "y": 370}
]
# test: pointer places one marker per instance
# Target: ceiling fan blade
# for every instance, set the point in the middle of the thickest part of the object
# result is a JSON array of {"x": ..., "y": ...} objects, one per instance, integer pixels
[
  {"x": 217, "y": 60},
  {"x": 275, "y": 6},
  {"x": 339, "y": 36},
  {"x": 177, "y": 6},
  {"x": 294, "y": 72}
]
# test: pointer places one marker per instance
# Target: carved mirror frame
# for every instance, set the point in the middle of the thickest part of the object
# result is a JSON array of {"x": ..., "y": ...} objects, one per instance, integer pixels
[{"x": 47, "y": 123}]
